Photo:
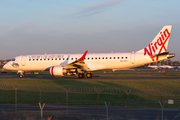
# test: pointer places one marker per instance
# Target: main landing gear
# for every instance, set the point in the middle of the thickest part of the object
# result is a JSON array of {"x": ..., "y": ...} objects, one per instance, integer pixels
[
  {"x": 81, "y": 75},
  {"x": 89, "y": 75}
]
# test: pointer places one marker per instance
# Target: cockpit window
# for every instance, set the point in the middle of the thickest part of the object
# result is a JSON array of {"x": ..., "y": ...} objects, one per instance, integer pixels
[{"x": 12, "y": 59}]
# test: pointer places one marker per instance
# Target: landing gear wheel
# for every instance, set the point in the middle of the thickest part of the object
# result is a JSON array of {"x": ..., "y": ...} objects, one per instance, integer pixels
[
  {"x": 89, "y": 75},
  {"x": 81, "y": 75},
  {"x": 21, "y": 76}
]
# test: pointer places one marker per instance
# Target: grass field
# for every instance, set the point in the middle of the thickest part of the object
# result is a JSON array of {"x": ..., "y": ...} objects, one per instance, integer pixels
[{"x": 146, "y": 89}]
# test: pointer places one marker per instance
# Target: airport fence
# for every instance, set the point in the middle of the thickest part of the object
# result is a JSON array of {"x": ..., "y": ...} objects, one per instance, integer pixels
[{"x": 83, "y": 96}]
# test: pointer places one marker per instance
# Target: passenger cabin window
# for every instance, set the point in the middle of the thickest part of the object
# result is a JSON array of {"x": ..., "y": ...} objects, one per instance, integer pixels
[
  {"x": 109, "y": 57},
  {"x": 102, "y": 57},
  {"x": 121, "y": 57},
  {"x": 118, "y": 58},
  {"x": 126, "y": 57},
  {"x": 106, "y": 57},
  {"x": 29, "y": 59},
  {"x": 67, "y": 58},
  {"x": 99, "y": 58},
  {"x": 71, "y": 58},
  {"x": 114, "y": 57}
]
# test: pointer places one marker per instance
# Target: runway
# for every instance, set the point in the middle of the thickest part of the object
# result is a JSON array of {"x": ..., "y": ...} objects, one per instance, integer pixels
[{"x": 145, "y": 74}]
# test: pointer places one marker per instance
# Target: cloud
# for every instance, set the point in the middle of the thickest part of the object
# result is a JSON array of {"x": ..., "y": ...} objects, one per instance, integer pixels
[{"x": 97, "y": 8}]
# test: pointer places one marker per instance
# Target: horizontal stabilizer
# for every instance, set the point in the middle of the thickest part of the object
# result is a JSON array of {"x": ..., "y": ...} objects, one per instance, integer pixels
[{"x": 164, "y": 53}]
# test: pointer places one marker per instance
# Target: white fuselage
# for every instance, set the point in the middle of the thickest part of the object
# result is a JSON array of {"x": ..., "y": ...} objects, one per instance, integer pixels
[{"x": 98, "y": 61}]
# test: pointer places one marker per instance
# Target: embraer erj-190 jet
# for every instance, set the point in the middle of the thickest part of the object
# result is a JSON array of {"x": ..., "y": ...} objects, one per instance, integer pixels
[{"x": 78, "y": 64}]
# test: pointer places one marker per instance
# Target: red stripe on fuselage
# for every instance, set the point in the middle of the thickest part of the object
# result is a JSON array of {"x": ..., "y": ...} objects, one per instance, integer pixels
[{"x": 52, "y": 70}]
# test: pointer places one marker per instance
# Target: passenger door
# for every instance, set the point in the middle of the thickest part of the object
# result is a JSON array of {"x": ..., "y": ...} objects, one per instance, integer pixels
[
  {"x": 132, "y": 58},
  {"x": 23, "y": 60}
]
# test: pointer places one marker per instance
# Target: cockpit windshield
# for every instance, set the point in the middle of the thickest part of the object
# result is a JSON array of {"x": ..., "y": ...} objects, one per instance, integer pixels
[{"x": 12, "y": 59}]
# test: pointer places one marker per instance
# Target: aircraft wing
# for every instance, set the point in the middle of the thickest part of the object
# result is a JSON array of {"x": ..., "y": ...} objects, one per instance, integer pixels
[{"x": 79, "y": 64}]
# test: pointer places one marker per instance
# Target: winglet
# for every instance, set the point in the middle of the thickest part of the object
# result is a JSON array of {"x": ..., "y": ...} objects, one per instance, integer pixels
[{"x": 83, "y": 57}]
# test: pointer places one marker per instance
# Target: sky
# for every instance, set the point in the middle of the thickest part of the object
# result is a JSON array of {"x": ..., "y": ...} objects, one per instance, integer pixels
[{"x": 74, "y": 26}]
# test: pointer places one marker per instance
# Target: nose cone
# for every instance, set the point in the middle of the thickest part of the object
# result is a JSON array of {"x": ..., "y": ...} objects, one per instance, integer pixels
[{"x": 5, "y": 66}]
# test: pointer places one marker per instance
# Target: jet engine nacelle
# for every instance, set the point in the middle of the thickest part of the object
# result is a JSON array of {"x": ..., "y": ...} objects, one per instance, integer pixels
[{"x": 60, "y": 71}]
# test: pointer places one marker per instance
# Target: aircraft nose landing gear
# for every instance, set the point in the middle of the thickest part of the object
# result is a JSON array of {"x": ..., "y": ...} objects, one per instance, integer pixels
[{"x": 21, "y": 75}]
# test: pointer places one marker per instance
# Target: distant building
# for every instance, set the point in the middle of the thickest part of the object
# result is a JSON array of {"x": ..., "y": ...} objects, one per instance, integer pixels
[{"x": 4, "y": 62}]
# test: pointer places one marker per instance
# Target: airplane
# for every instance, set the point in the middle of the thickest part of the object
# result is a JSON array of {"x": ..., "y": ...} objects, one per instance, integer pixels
[
  {"x": 161, "y": 67},
  {"x": 79, "y": 65}
]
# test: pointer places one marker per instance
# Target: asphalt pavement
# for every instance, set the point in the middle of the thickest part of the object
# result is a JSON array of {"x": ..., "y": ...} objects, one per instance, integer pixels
[{"x": 139, "y": 114}]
